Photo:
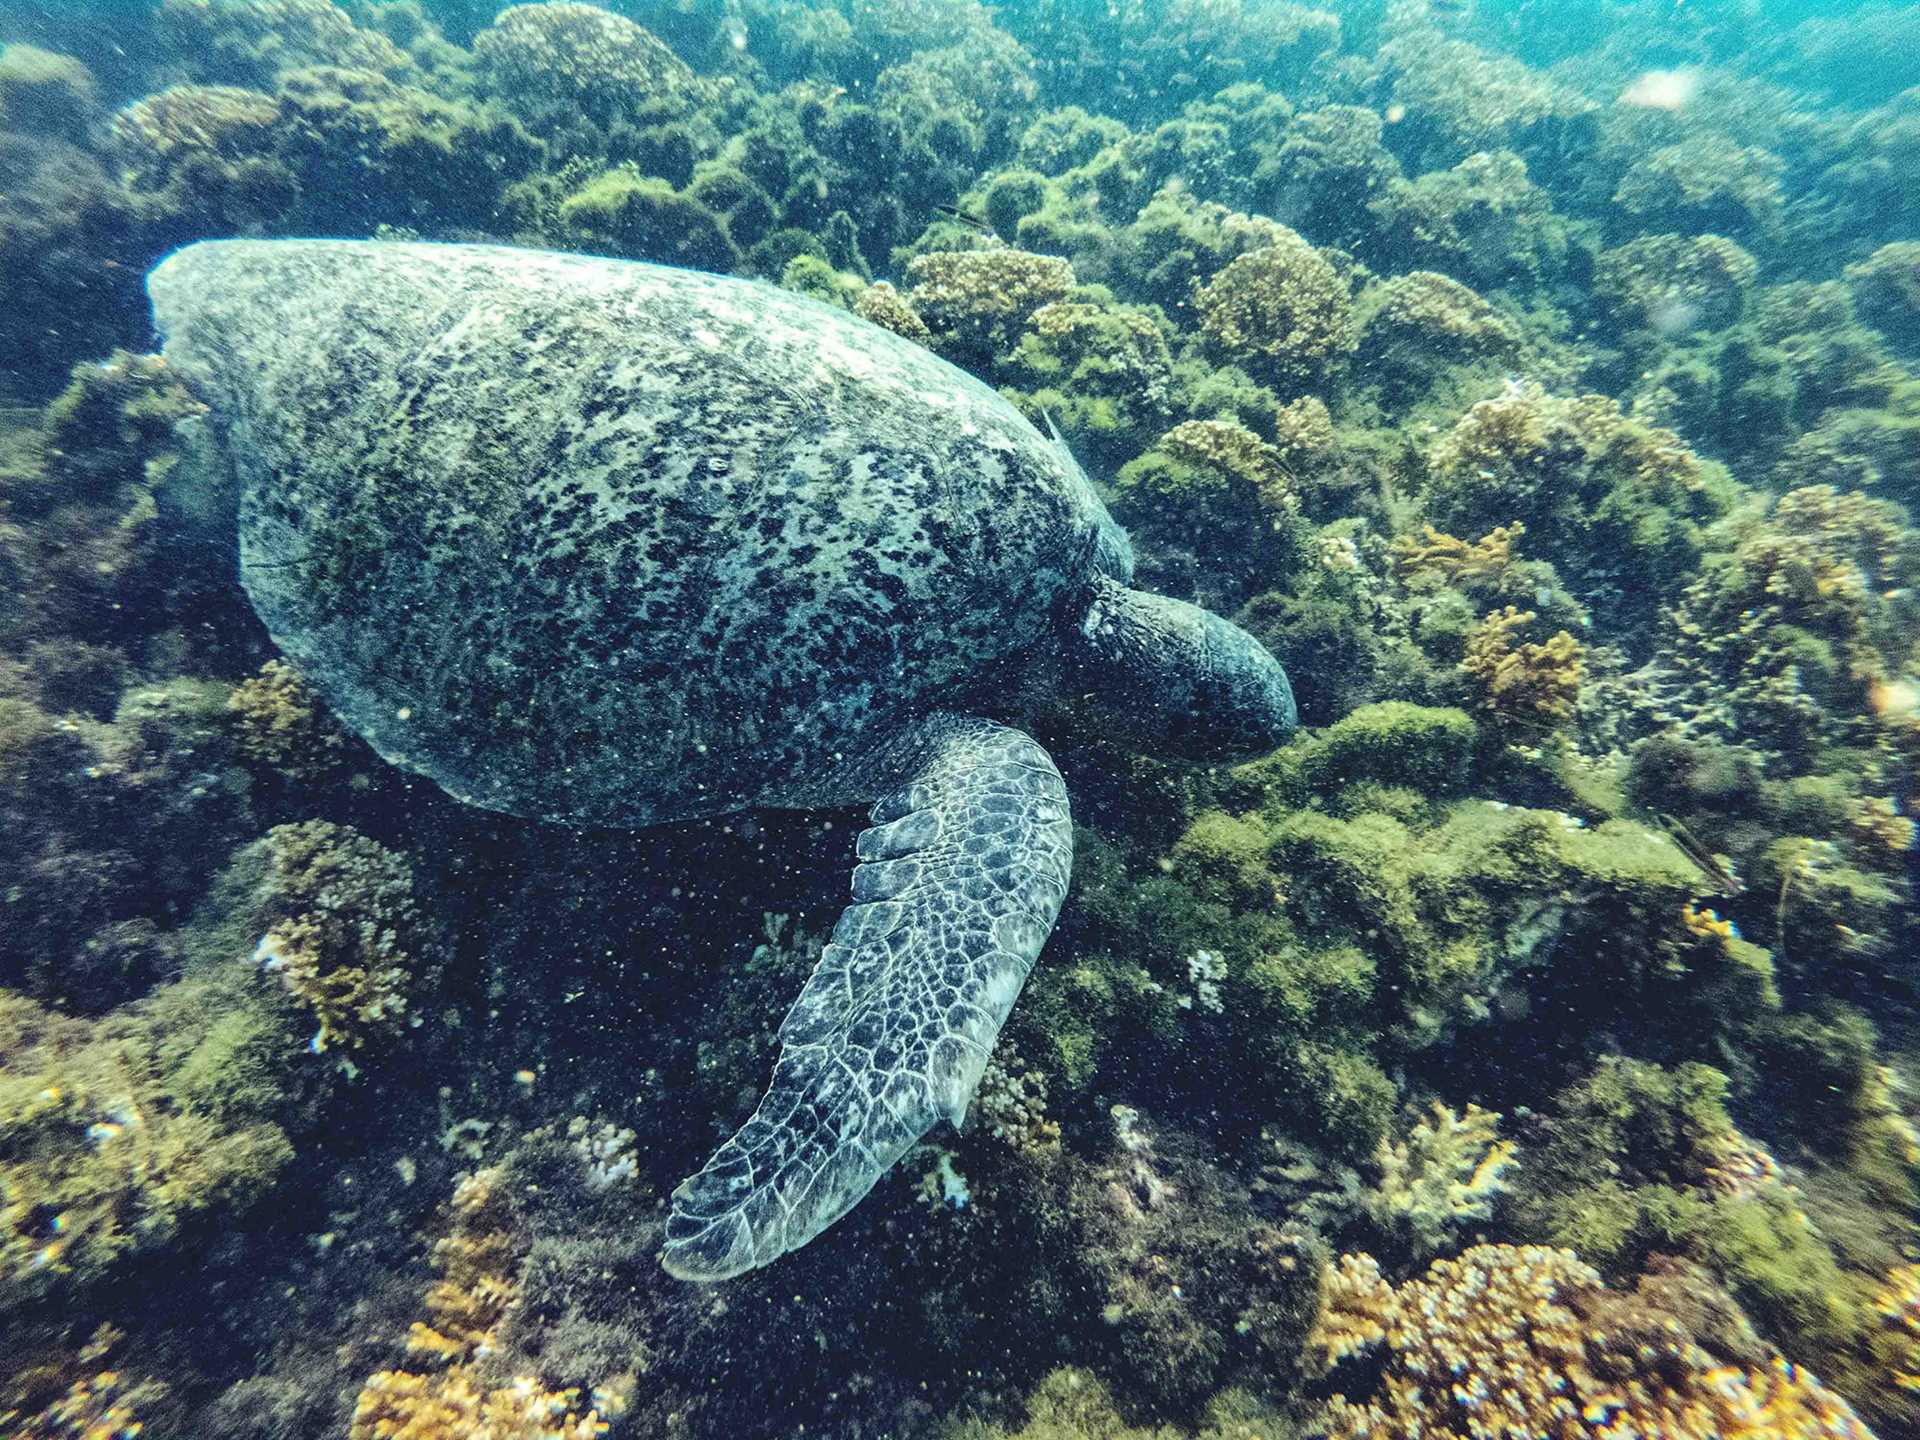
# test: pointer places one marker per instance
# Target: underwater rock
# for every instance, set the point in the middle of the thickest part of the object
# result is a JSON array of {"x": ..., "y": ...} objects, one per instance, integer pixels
[
  {"x": 249, "y": 42},
  {"x": 1677, "y": 283},
  {"x": 47, "y": 94},
  {"x": 552, "y": 58}
]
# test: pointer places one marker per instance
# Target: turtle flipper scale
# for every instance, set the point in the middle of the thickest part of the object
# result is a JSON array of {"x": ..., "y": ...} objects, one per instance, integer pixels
[{"x": 958, "y": 885}]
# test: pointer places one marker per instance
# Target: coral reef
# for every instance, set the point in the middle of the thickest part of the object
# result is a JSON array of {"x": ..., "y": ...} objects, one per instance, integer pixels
[
  {"x": 1886, "y": 292},
  {"x": 250, "y": 42},
  {"x": 559, "y": 57},
  {"x": 1624, "y": 502},
  {"x": 1281, "y": 309},
  {"x": 1676, "y": 283},
  {"x": 1522, "y": 682},
  {"x": 1536, "y": 1345},
  {"x": 47, "y": 94},
  {"x": 284, "y": 728},
  {"x": 476, "y": 1261},
  {"x": 1898, "y": 1306},
  {"x": 119, "y": 1136},
  {"x": 978, "y": 303},
  {"x": 1410, "y": 328},
  {"x": 1448, "y": 1170},
  {"x": 1537, "y": 381},
  {"x": 1453, "y": 560},
  {"x": 99, "y": 1402},
  {"x": 343, "y": 934}
]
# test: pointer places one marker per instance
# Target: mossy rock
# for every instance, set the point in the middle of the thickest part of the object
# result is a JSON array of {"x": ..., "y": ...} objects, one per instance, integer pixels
[
  {"x": 1427, "y": 747},
  {"x": 645, "y": 218}
]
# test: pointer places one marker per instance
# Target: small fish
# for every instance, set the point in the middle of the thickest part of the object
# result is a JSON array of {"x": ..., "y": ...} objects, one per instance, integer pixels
[
  {"x": 954, "y": 213},
  {"x": 1709, "y": 863}
]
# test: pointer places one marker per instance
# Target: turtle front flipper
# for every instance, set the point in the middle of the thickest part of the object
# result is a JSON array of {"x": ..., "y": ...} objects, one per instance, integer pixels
[{"x": 959, "y": 882}]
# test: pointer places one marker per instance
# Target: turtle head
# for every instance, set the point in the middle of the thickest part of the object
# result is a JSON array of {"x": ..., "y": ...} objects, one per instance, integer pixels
[{"x": 1174, "y": 679}]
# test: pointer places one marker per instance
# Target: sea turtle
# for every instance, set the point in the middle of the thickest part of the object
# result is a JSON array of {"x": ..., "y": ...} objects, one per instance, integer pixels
[{"x": 608, "y": 543}]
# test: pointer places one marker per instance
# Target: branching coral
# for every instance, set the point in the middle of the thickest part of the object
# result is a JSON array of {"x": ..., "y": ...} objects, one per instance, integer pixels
[
  {"x": 285, "y": 728},
  {"x": 209, "y": 152},
  {"x": 888, "y": 308},
  {"x": 1303, "y": 434},
  {"x": 1177, "y": 241},
  {"x": 1529, "y": 1342},
  {"x": 1898, "y": 1306},
  {"x": 1458, "y": 99},
  {"x": 1098, "y": 370},
  {"x": 39, "y": 1401},
  {"x": 1781, "y": 645},
  {"x": 1523, "y": 681},
  {"x": 1447, "y": 1171},
  {"x": 977, "y": 303},
  {"x": 1214, "y": 490},
  {"x": 111, "y": 1142},
  {"x": 1621, "y": 503},
  {"x": 1239, "y": 452},
  {"x": 1011, "y": 1103},
  {"x": 477, "y": 1260},
  {"x": 344, "y": 934},
  {"x": 1281, "y": 310},
  {"x": 1411, "y": 327},
  {"x": 1451, "y": 559},
  {"x": 1707, "y": 186}
]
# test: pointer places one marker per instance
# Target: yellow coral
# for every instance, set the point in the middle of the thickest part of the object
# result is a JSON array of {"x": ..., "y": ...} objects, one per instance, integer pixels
[
  {"x": 62, "y": 1396},
  {"x": 284, "y": 726},
  {"x": 1741, "y": 1168},
  {"x": 1011, "y": 1103},
  {"x": 343, "y": 946},
  {"x": 582, "y": 56},
  {"x": 187, "y": 120},
  {"x": 1229, "y": 446},
  {"x": 1527, "y": 453},
  {"x": 1529, "y": 683},
  {"x": 399, "y": 1405},
  {"x": 1877, "y": 822},
  {"x": 1898, "y": 1306},
  {"x": 1526, "y": 1341},
  {"x": 477, "y": 1261},
  {"x": 888, "y": 308},
  {"x": 100, "y": 1154},
  {"x": 1432, "y": 553},
  {"x": 1303, "y": 435},
  {"x": 984, "y": 297},
  {"x": 1357, "y": 1308},
  {"x": 1283, "y": 308},
  {"x": 1707, "y": 924}
]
